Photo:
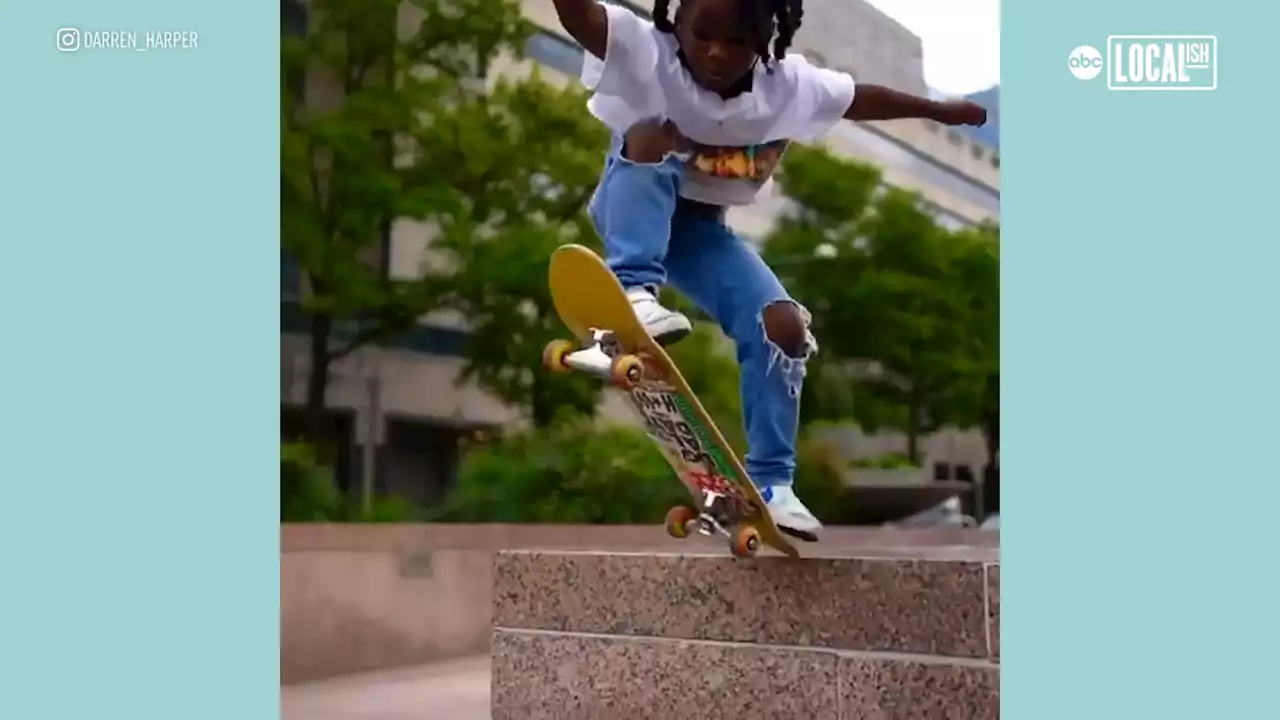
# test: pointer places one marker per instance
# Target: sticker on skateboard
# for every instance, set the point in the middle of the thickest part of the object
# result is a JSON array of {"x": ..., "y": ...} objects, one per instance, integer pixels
[{"x": 612, "y": 345}]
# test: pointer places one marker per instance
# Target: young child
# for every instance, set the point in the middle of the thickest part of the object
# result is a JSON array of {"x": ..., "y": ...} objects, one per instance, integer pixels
[{"x": 702, "y": 109}]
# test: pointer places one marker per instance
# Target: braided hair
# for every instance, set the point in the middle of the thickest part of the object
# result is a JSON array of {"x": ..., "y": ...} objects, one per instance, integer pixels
[{"x": 760, "y": 17}]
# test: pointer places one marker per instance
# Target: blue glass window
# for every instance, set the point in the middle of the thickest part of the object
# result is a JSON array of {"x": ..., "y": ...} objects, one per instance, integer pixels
[
  {"x": 294, "y": 16},
  {"x": 290, "y": 275},
  {"x": 892, "y": 153},
  {"x": 555, "y": 52}
]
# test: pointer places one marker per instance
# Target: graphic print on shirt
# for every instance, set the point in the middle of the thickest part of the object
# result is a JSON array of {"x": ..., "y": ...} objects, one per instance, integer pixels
[{"x": 752, "y": 164}]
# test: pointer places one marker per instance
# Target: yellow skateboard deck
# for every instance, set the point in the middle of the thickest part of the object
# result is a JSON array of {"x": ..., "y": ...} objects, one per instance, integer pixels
[{"x": 613, "y": 345}]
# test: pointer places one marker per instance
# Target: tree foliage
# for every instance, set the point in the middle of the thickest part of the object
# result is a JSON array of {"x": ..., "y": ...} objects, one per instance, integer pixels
[
  {"x": 978, "y": 269},
  {"x": 368, "y": 100},
  {"x": 527, "y": 158},
  {"x": 906, "y": 311}
]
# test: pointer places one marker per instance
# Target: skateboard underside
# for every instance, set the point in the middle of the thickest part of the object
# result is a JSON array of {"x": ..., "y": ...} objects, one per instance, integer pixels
[{"x": 723, "y": 505}]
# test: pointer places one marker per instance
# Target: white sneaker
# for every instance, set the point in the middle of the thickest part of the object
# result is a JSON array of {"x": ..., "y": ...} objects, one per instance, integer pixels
[
  {"x": 787, "y": 511},
  {"x": 665, "y": 326}
]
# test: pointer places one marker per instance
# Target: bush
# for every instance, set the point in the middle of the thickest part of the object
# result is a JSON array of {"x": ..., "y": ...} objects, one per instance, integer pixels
[
  {"x": 575, "y": 472},
  {"x": 307, "y": 490},
  {"x": 308, "y": 493},
  {"x": 571, "y": 472},
  {"x": 889, "y": 461},
  {"x": 820, "y": 480},
  {"x": 383, "y": 509}
]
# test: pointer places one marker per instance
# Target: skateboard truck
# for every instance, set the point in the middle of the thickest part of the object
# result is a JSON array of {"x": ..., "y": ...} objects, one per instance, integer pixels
[
  {"x": 603, "y": 358},
  {"x": 708, "y": 524},
  {"x": 715, "y": 518}
]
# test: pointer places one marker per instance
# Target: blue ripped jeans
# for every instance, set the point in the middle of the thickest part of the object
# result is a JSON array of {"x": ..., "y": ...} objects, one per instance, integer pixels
[{"x": 649, "y": 242}]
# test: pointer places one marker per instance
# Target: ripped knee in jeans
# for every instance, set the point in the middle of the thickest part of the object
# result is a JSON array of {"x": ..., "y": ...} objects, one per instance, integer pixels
[{"x": 785, "y": 324}]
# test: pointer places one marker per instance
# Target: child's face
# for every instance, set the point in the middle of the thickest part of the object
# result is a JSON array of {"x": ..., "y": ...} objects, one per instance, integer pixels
[{"x": 719, "y": 48}]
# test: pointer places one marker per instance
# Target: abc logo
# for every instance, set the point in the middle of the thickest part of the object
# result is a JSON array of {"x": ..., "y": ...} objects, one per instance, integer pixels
[{"x": 1085, "y": 62}]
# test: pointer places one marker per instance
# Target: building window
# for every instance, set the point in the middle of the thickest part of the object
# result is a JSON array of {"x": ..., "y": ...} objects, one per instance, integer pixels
[
  {"x": 943, "y": 216},
  {"x": 977, "y": 150},
  {"x": 633, "y": 7},
  {"x": 948, "y": 220},
  {"x": 293, "y": 320},
  {"x": 294, "y": 17},
  {"x": 995, "y": 161},
  {"x": 290, "y": 276},
  {"x": 955, "y": 138},
  {"x": 556, "y": 52},
  {"x": 886, "y": 150},
  {"x": 423, "y": 339},
  {"x": 435, "y": 340}
]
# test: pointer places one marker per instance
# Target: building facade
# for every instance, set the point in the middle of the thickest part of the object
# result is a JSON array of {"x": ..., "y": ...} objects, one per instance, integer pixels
[
  {"x": 404, "y": 403},
  {"x": 988, "y": 134}
]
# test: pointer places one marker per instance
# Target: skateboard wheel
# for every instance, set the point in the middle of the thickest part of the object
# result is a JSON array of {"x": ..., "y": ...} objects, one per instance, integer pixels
[
  {"x": 626, "y": 371},
  {"x": 554, "y": 354},
  {"x": 678, "y": 519},
  {"x": 745, "y": 542}
]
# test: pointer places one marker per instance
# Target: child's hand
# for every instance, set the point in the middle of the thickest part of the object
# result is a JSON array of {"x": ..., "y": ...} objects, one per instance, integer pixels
[{"x": 962, "y": 112}]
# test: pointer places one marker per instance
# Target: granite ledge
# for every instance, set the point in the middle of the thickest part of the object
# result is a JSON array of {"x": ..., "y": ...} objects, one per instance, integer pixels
[
  {"x": 561, "y": 676},
  {"x": 899, "y": 604}
]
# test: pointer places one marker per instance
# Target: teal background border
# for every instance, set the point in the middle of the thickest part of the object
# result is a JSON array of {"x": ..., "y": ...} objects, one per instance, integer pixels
[
  {"x": 139, "y": 270},
  {"x": 1140, "y": 372}
]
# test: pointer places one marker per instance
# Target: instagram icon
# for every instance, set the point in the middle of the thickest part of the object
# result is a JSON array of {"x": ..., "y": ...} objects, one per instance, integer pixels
[{"x": 68, "y": 39}]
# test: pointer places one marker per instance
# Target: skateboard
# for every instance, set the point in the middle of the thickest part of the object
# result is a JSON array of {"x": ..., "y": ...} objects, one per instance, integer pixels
[{"x": 613, "y": 346}]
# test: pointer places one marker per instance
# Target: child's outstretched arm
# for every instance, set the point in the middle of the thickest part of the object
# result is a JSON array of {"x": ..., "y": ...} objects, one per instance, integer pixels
[
  {"x": 876, "y": 102},
  {"x": 586, "y": 22}
]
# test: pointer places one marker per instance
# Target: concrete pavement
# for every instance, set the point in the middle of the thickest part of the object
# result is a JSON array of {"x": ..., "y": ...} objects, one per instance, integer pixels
[{"x": 457, "y": 690}]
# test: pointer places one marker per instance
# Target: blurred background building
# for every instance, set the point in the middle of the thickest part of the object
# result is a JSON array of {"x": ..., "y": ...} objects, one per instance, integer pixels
[
  {"x": 404, "y": 401},
  {"x": 988, "y": 134}
]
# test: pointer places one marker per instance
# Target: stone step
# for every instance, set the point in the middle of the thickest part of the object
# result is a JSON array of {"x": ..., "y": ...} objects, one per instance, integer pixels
[{"x": 870, "y": 633}]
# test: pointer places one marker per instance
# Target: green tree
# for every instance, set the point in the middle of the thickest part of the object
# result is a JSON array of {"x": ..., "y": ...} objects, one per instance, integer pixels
[
  {"x": 363, "y": 110},
  {"x": 978, "y": 268},
  {"x": 816, "y": 249},
  {"x": 528, "y": 158},
  {"x": 891, "y": 310},
  {"x": 919, "y": 342}
]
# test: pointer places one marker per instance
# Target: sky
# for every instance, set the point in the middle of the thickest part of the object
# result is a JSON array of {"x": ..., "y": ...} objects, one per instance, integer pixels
[{"x": 961, "y": 40}]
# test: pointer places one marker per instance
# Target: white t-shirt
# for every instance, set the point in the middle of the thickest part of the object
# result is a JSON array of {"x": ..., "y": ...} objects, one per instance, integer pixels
[{"x": 737, "y": 142}]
